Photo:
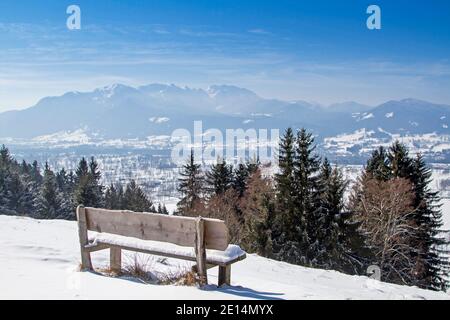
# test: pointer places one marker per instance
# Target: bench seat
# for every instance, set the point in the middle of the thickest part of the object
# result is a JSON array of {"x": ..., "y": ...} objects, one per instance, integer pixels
[{"x": 99, "y": 241}]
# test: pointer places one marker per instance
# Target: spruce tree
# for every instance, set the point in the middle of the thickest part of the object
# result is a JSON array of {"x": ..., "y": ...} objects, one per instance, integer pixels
[
  {"x": 299, "y": 197},
  {"x": 285, "y": 191},
  {"x": 48, "y": 202},
  {"x": 377, "y": 166},
  {"x": 87, "y": 190},
  {"x": 399, "y": 162},
  {"x": 190, "y": 186},
  {"x": 219, "y": 178},
  {"x": 112, "y": 198},
  {"x": 136, "y": 200},
  {"x": 432, "y": 265},
  {"x": 241, "y": 174},
  {"x": 95, "y": 177}
]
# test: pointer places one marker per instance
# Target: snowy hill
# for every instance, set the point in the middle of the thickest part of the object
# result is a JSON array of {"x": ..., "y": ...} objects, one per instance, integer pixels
[{"x": 38, "y": 260}]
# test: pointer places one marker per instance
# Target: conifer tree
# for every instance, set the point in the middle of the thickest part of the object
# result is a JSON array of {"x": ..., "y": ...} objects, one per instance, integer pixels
[
  {"x": 299, "y": 196},
  {"x": 432, "y": 266},
  {"x": 219, "y": 178},
  {"x": 112, "y": 198},
  {"x": 399, "y": 162},
  {"x": 162, "y": 209},
  {"x": 377, "y": 166},
  {"x": 190, "y": 186},
  {"x": 136, "y": 200},
  {"x": 48, "y": 202},
  {"x": 285, "y": 190},
  {"x": 241, "y": 174}
]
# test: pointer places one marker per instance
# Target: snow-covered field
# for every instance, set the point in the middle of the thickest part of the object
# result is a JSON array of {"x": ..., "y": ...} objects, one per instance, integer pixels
[{"x": 39, "y": 260}]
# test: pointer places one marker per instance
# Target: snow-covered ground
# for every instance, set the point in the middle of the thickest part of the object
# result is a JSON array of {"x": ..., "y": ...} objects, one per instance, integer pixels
[{"x": 39, "y": 260}]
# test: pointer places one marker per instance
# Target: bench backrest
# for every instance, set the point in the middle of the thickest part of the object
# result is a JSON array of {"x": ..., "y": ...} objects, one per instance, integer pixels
[{"x": 157, "y": 227}]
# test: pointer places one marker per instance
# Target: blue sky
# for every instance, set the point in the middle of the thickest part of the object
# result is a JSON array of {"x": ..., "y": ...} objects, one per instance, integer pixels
[{"x": 295, "y": 50}]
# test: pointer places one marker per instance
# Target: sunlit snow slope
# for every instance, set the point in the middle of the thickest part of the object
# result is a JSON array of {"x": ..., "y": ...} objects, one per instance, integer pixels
[{"x": 39, "y": 259}]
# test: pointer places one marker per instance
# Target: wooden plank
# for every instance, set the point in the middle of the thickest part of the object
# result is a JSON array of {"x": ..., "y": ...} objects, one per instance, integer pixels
[
  {"x": 96, "y": 247},
  {"x": 157, "y": 227},
  {"x": 210, "y": 262},
  {"x": 200, "y": 251},
  {"x": 224, "y": 275},
  {"x": 86, "y": 263},
  {"x": 152, "y": 252},
  {"x": 216, "y": 234},
  {"x": 115, "y": 259}
]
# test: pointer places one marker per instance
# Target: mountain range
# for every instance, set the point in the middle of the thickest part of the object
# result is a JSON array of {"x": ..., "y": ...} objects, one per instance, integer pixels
[{"x": 125, "y": 112}]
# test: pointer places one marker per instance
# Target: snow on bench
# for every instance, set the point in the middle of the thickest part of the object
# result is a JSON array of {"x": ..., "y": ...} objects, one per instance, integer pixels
[
  {"x": 202, "y": 240},
  {"x": 232, "y": 253}
]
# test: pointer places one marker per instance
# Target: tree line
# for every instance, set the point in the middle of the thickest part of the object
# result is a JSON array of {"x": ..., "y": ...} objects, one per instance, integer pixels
[
  {"x": 28, "y": 190},
  {"x": 300, "y": 215}
]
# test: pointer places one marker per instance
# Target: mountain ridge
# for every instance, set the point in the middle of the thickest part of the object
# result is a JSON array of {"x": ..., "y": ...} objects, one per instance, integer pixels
[{"x": 105, "y": 110}]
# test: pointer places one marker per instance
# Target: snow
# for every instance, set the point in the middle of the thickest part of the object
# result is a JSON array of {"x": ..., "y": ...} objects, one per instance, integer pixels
[
  {"x": 367, "y": 116},
  {"x": 231, "y": 253},
  {"x": 39, "y": 260},
  {"x": 159, "y": 120},
  {"x": 76, "y": 137},
  {"x": 389, "y": 115}
]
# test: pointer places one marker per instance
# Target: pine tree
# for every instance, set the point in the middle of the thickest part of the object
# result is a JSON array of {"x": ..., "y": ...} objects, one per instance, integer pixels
[
  {"x": 95, "y": 177},
  {"x": 328, "y": 206},
  {"x": 36, "y": 173},
  {"x": 253, "y": 165},
  {"x": 285, "y": 190},
  {"x": 162, "y": 209},
  {"x": 432, "y": 266},
  {"x": 299, "y": 197},
  {"x": 219, "y": 178},
  {"x": 88, "y": 190},
  {"x": 399, "y": 162},
  {"x": 306, "y": 168},
  {"x": 5, "y": 156},
  {"x": 241, "y": 174},
  {"x": 48, "y": 202},
  {"x": 62, "y": 180},
  {"x": 377, "y": 166},
  {"x": 190, "y": 186},
  {"x": 136, "y": 200},
  {"x": 113, "y": 198}
]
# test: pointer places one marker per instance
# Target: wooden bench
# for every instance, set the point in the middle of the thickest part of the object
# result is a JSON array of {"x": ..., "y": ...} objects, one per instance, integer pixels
[{"x": 204, "y": 241}]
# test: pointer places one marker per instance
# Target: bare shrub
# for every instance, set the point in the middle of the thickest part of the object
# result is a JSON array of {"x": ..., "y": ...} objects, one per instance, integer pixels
[
  {"x": 384, "y": 210},
  {"x": 182, "y": 276},
  {"x": 139, "y": 267},
  {"x": 225, "y": 207}
]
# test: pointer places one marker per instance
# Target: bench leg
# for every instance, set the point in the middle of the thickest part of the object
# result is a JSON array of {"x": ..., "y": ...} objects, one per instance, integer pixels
[
  {"x": 115, "y": 260},
  {"x": 224, "y": 275},
  {"x": 86, "y": 263}
]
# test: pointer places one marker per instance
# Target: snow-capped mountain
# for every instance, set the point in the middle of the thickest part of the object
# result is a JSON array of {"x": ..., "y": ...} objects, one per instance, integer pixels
[{"x": 124, "y": 112}]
